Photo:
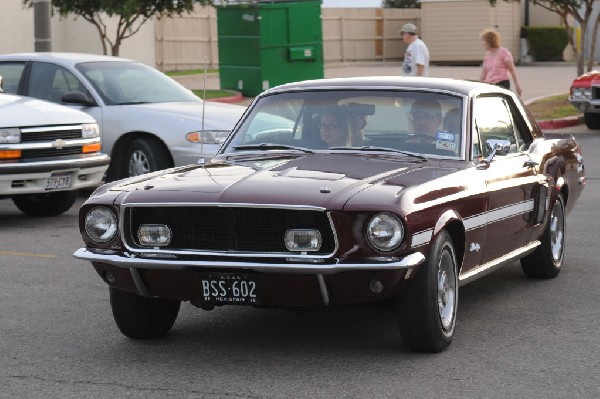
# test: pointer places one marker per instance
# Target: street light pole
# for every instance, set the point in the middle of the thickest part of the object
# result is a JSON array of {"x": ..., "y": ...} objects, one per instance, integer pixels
[{"x": 41, "y": 25}]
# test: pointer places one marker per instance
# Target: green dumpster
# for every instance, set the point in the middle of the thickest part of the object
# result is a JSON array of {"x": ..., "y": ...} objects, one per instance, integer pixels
[{"x": 263, "y": 44}]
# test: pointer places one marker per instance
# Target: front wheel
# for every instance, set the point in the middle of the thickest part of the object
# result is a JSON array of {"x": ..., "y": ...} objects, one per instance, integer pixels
[
  {"x": 426, "y": 309},
  {"x": 592, "y": 120},
  {"x": 142, "y": 318},
  {"x": 546, "y": 261},
  {"x": 145, "y": 156},
  {"x": 50, "y": 204}
]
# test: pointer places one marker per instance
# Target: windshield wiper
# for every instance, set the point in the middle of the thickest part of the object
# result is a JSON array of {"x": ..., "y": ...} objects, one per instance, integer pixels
[
  {"x": 272, "y": 146},
  {"x": 384, "y": 149}
]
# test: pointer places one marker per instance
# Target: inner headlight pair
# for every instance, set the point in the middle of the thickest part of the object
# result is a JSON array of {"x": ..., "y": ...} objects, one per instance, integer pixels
[{"x": 582, "y": 93}]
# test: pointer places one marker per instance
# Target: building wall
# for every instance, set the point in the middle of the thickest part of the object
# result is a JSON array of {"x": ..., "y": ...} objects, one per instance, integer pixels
[{"x": 457, "y": 39}]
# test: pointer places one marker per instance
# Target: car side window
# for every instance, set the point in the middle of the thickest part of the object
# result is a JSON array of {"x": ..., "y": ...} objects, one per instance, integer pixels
[
  {"x": 50, "y": 82},
  {"x": 493, "y": 121},
  {"x": 12, "y": 73}
]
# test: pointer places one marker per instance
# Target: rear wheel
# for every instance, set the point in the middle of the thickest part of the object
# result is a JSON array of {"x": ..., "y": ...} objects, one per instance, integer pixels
[
  {"x": 142, "y": 318},
  {"x": 50, "y": 204},
  {"x": 547, "y": 259},
  {"x": 145, "y": 156},
  {"x": 592, "y": 120},
  {"x": 426, "y": 309}
]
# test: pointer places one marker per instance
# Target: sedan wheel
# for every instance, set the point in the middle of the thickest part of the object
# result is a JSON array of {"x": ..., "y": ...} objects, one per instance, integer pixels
[
  {"x": 145, "y": 156},
  {"x": 547, "y": 259},
  {"x": 426, "y": 309}
]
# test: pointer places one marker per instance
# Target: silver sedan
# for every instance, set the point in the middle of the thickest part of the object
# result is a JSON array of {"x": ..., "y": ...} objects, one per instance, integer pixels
[{"x": 148, "y": 120}]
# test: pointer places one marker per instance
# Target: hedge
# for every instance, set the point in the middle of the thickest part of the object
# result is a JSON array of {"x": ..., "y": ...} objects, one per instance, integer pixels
[{"x": 546, "y": 43}]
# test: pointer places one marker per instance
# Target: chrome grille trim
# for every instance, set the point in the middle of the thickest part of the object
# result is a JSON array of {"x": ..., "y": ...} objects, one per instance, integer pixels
[{"x": 272, "y": 255}]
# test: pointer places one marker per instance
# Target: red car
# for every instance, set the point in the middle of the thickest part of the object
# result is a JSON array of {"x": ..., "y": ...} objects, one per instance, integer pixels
[
  {"x": 341, "y": 191},
  {"x": 585, "y": 96}
]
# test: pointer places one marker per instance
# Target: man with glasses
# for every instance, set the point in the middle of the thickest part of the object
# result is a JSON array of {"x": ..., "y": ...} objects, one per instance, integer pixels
[{"x": 426, "y": 117}]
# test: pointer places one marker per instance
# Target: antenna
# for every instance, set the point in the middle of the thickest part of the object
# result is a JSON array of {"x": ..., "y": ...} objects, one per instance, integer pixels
[{"x": 201, "y": 160}]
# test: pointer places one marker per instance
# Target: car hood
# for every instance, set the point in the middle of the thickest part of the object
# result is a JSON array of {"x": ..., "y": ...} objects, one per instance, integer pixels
[
  {"x": 17, "y": 111},
  {"x": 591, "y": 78},
  {"x": 319, "y": 180},
  {"x": 219, "y": 116}
]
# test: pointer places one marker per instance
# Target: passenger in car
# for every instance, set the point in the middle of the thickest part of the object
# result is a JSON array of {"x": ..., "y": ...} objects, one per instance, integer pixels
[
  {"x": 334, "y": 127},
  {"x": 452, "y": 119}
]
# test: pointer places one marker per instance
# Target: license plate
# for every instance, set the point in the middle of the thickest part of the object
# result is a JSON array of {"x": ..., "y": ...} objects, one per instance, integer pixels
[
  {"x": 58, "y": 181},
  {"x": 230, "y": 288}
]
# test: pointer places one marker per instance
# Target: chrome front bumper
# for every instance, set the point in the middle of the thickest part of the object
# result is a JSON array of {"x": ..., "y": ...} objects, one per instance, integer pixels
[{"x": 131, "y": 261}]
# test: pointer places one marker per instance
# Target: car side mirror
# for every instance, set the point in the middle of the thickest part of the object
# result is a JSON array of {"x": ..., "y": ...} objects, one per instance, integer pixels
[
  {"x": 77, "y": 97},
  {"x": 501, "y": 147}
]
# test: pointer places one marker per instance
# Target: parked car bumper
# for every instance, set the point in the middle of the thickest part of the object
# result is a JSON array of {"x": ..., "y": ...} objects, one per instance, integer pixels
[
  {"x": 586, "y": 106},
  {"x": 191, "y": 155},
  {"x": 31, "y": 177},
  {"x": 297, "y": 284}
]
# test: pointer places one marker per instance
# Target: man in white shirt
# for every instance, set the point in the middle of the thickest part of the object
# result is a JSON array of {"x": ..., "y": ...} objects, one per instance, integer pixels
[{"x": 416, "y": 57}]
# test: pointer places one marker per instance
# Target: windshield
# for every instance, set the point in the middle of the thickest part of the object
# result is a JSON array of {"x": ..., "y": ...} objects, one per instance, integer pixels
[
  {"x": 427, "y": 123},
  {"x": 120, "y": 83}
]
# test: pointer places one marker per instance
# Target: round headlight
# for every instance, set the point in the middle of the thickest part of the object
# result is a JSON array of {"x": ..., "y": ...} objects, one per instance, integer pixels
[
  {"x": 101, "y": 224},
  {"x": 385, "y": 231}
]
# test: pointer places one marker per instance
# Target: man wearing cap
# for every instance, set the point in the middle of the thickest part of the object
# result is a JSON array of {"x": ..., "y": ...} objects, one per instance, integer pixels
[{"x": 416, "y": 57}]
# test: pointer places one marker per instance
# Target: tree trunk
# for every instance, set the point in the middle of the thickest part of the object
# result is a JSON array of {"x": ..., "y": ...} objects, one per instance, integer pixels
[{"x": 592, "y": 57}]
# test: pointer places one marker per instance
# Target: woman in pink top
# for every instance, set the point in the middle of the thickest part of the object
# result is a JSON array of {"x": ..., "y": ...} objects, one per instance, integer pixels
[{"x": 497, "y": 62}]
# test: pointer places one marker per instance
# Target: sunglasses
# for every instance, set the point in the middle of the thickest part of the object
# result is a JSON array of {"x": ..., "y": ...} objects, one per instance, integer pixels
[{"x": 424, "y": 114}]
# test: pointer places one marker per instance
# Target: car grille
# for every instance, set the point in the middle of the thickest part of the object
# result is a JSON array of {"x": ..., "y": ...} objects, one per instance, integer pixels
[
  {"x": 50, "y": 152},
  {"x": 50, "y": 135},
  {"x": 596, "y": 93},
  {"x": 235, "y": 229}
]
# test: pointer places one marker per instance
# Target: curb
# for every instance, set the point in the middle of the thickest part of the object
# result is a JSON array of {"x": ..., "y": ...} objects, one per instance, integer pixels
[
  {"x": 560, "y": 123},
  {"x": 236, "y": 98}
]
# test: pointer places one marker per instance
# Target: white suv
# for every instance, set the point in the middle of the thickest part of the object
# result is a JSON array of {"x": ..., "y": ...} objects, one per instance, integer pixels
[{"x": 47, "y": 153}]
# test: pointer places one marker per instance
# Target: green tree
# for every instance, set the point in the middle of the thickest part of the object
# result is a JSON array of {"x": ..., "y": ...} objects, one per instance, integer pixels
[
  {"x": 402, "y": 4},
  {"x": 131, "y": 14},
  {"x": 581, "y": 11}
]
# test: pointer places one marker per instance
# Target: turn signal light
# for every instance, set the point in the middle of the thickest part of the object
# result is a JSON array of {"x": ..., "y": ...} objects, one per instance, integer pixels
[
  {"x": 10, "y": 154},
  {"x": 91, "y": 148}
]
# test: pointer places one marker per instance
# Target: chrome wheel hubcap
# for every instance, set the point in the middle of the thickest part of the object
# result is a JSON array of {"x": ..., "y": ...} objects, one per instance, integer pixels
[
  {"x": 446, "y": 291},
  {"x": 557, "y": 228},
  {"x": 138, "y": 163}
]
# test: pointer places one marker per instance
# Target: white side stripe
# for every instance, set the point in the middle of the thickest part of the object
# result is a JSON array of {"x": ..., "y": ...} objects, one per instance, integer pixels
[
  {"x": 480, "y": 220},
  {"x": 421, "y": 238}
]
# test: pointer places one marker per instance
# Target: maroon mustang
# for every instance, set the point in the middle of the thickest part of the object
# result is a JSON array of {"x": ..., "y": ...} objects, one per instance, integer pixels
[{"x": 342, "y": 191}]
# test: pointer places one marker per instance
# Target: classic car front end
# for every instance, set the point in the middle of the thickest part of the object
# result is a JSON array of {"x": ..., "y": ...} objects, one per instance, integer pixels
[
  {"x": 585, "y": 96},
  {"x": 281, "y": 218}
]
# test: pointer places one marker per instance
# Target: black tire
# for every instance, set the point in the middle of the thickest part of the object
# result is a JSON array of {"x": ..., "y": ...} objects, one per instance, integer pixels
[
  {"x": 546, "y": 261},
  {"x": 592, "y": 120},
  {"x": 50, "y": 204},
  {"x": 142, "y": 318},
  {"x": 427, "y": 312},
  {"x": 145, "y": 156}
]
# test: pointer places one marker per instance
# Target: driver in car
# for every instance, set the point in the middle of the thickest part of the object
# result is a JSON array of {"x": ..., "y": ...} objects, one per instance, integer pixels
[{"x": 426, "y": 117}]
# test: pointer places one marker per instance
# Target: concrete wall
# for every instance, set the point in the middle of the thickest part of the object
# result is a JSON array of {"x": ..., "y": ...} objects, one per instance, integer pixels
[{"x": 69, "y": 34}]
